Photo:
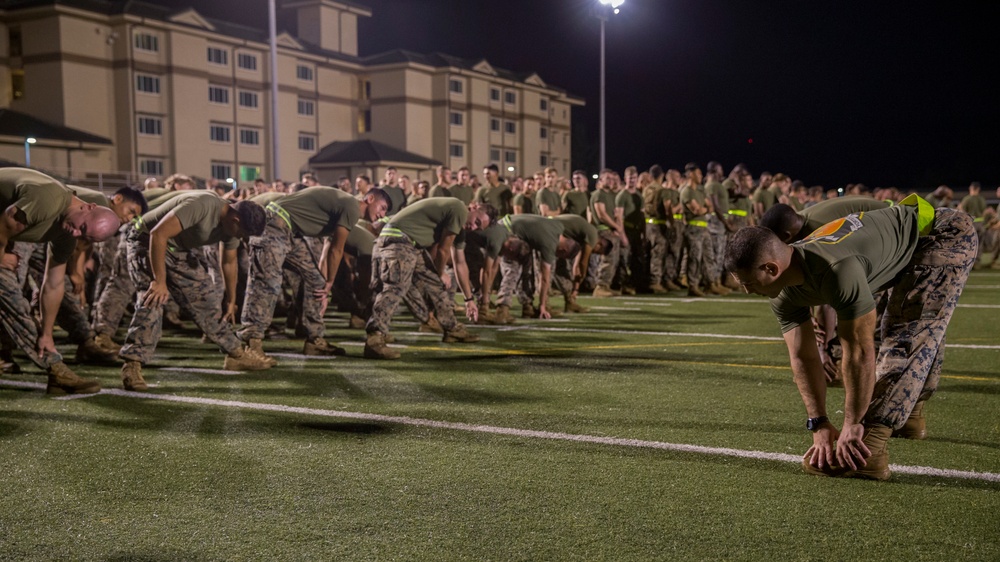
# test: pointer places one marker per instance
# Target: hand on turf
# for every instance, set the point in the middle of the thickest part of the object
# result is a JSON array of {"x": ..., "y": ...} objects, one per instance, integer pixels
[
  {"x": 822, "y": 452},
  {"x": 544, "y": 313},
  {"x": 156, "y": 295},
  {"x": 851, "y": 449},
  {"x": 472, "y": 311}
]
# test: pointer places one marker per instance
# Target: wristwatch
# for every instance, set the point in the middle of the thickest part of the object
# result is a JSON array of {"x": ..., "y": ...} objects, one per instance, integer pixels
[{"x": 812, "y": 424}]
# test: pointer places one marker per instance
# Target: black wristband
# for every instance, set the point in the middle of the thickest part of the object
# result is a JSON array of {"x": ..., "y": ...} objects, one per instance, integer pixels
[{"x": 470, "y": 299}]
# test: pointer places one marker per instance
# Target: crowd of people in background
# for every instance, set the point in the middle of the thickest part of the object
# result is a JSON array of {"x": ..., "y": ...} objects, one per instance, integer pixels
[{"x": 222, "y": 253}]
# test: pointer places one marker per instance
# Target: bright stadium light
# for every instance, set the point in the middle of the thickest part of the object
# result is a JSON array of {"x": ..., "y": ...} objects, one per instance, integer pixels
[
  {"x": 510, "y": 168},
  {"x": 602, "y": 14}
]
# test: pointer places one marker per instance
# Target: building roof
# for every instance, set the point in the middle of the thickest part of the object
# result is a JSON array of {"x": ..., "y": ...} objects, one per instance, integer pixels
[
  {"x": 366, "y": 152},
  {"x": 17, "y": 124}
]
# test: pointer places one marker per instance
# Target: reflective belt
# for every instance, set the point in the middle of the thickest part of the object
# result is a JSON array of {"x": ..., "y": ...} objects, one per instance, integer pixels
[
  {"x": 506, "y": 222},
  {"x": 393, "y": 232},
  {"x": 977, "y": 219},
  {"x": 678, "y": 216},
  {"x": 925, "y": 212},
  {"x": 889, "y": 202},
  {"x": 278, "y": 210},
  {"x": 603, "y": 227},
  {"x": 737, "y": 212},
  {"x": 140, "y": 225},
  {"x": 703, "y": 224},
  {"x": 656, "y": 221}
]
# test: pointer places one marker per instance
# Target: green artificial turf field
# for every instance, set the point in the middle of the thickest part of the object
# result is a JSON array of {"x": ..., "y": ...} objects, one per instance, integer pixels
[{"x": 547, "y": 440}]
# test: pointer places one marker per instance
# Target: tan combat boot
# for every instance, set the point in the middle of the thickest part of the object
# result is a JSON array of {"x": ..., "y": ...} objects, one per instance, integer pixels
[
  {"x": 528, "y": 311},
  {"x": 256, "y": 347},
  {"x": 671, "y": 286},
  {"x": 603, "y": 291},
  {"x": 132, "y": 377},
  {"x": 64, "y": 381},
  {"x": 459, "y": 335},
  {"x": 90, "y": 351},
  {"x": 376, "y": 348},
  {"x": 245, "y": 361},
  {"x": 356, "y": 322},
  {"x": 572, "y": 306},
  {"x": 657, "y": 289},
  {"x": 431, "y": 326},
  {"x": 321, "y": 347},
  {"x": 695, "y": 292},
  {"x": 717, "y": 289},
  {"x": 876, "y": 466},
  {"x": 915, "y": 426},
  {"x": 502, "y": 315},
  {"x": 106, "y": 343}
]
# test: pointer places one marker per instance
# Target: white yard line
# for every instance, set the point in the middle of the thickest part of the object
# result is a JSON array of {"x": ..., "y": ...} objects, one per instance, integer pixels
[{"x": 514, "y": 432}]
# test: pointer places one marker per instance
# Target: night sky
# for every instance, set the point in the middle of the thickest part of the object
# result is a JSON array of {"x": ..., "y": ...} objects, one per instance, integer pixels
[{"x": 885, "y": 92}]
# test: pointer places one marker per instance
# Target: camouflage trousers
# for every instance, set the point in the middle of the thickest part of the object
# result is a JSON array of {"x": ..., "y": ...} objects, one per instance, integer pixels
[
  {"x": 698, "y": 243},
  {"x": 118, "y": 291},
  {"x": 659, "y": 238},
  {"x": 920, "y": 305},
  {"x": 608, "y": 263},
  {"x": 518, "y": 277},
  {"x": 16, "y": 320},
  {"x": 190, "y": 285},
  {"x": 397, "y": 268},
  {"x": 717, "y": 232},
  {"x": 72, "y": 315},
  {"x": 277, "y": 248}
]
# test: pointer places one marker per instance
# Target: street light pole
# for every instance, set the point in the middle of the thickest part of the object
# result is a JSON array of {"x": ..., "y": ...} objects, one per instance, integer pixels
[
  {"x": 27, "y": 151},
  {"x": 602, "y": 14}
]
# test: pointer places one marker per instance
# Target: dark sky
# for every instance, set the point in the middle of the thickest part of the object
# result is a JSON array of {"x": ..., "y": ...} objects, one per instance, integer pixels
[{"x": 885, "y": 92}]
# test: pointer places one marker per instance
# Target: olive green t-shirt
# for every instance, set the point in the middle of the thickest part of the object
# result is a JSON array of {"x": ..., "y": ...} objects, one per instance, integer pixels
[
  {"x": 692, "y": 193},
  {"x": 975, "y": 205},
  {"x": 492, "y": 238},
  {"x": 548, "y": 197},
  {"x": 631, "y": 205},
  {"x": 575, "y": 203},
  {"x": 200, "y": 215},
  {"x": 832, "y": 209},
  {"x": 154, "y": 192},
  {"x": 264, "y": 198},
  {"x": 652, "y": 201},
  {"x": 397, "y": 196},
  {"x": 714, "y": 188},
  {"x": 439, "y": 190},
  {"x": 541, "y": 233},
  {"x": 427, "y": 220},
  {"x": 319, "y": 210},
  {"x": 765, "y": 197},
  {"x": 846, "y": 261},
  {"x": 88, "y": 195},
  {"x": 40, "y": 200},
  {"x": 360, "y": 241},
  {"x": 608, "y": 199},
  {"x": 526, "y": 203},
  {"x": 463, "y": 193},
  {"x": 500, "y": 198},
  {"x": 739, "y": 211},
  {"x": 577, "y": 228},
  {"x": 158, "y": 201}
]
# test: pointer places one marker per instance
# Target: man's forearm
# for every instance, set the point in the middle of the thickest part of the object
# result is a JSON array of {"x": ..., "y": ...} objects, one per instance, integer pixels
[
  {"x": 858, "y": 370},
  {"x": 543, "y": 292},
  {"x": 807, "y": 369},
  {"x": 158, "y": 257},
  {"x": 230, "y": 274},
  {"x": 53, "y": 289}
]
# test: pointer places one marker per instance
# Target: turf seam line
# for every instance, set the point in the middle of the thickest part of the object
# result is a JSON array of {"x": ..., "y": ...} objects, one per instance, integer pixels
[{"x": 515, "y": 432}]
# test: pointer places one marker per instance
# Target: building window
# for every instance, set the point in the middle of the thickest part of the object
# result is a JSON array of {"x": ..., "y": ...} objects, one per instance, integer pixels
[
  {"x": 543, "y": 105},
  {"x": 455, "y": 118},
  {"x": 151, "y": 167},
  {"x": 250, "y": 137},
  {"x": 218, "y": 94},
  {"x": 150, "y": 126},
  {"x": 307, "y": 107},
  {"x": 494, "y": 155},
  {"x": 248, "y": 99},
  {"x": 304, "y": 73},
  {"x": 509, "y": 98},
  {"x": 249, "y": 173},
  {"x": 16, "y": 43},
  {"x": 222, "y": 171},
  {"x": 366, "y": 89},
  {"x": 147, "y": 42},
  {"x": 455, "y": 86},
  {"x": 17, "y": 83},
  {"x": 509, "y": 127},
  {"x": 494, "y": 124},
  {"x": 246, "y": 61},
  {"x": 219, "y": 133},
  {"x": 543, "y": 132},
  {"x": 218, "y": 56},
  {"x": 456, "y": 150},
  {"x": 544, "y": 160},
  {"x": 510, "y": 156},
  {"x": 365, "y": 121},
  {"x": 148, "y": 84},
  {"x": 494, "y": 94},
  {"x": 307, "y": 143}
]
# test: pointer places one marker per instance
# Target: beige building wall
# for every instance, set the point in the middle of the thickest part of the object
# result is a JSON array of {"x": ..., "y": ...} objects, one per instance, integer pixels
[{"x": 81, "y": 70}]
